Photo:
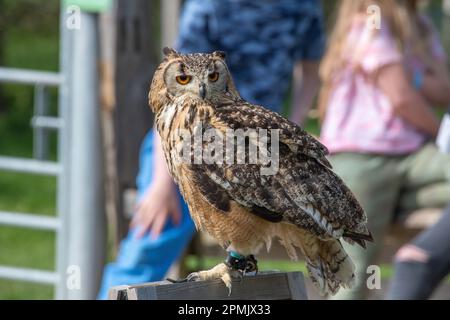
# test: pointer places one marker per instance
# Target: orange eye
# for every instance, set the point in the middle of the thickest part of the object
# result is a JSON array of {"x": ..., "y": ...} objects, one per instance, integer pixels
[
  {"x": 184, "y": 79},
  {"x": 213, "y": 77}
]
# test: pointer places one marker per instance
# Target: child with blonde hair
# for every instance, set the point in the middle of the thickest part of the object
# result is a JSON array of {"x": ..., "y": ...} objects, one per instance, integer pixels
[{"x": 380, "y": 84}]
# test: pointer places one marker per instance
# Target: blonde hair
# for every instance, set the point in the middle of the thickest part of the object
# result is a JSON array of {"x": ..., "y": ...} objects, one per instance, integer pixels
[{"x": 403, "y": 21}]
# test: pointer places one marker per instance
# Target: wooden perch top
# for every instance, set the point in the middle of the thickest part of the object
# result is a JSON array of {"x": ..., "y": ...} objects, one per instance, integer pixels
[{"x": 264, "y": 286}]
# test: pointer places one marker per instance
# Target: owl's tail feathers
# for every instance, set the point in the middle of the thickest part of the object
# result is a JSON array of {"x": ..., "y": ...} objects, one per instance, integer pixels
[{"x": 330, "y": 268}]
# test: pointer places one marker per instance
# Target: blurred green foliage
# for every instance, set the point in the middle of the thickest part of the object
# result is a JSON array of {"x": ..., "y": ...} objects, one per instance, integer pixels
[{"x": 31, "y": 15}]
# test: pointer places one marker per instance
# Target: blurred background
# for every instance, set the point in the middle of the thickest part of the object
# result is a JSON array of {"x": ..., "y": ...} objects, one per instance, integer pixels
[{"x": 70, "y": 131}]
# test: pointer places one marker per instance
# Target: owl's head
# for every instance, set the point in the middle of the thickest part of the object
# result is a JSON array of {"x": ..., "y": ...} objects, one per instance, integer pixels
[{"x": 198, "y": 76}]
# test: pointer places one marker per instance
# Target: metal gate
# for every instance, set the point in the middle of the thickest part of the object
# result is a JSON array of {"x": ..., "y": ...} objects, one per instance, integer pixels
[
  {"x": 79, "y": 186},
  {"x": 41, "y": 123}
]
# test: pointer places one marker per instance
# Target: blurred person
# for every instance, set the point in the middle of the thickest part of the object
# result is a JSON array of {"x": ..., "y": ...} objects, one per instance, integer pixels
[
  {"x": 264, "y": 41},
  {"x": 380, "y": 85},
  {"x": 424, "y": 262}
]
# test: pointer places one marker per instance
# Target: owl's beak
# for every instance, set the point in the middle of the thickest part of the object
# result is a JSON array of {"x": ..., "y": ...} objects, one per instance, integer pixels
[{"x": 202, "y": 91}]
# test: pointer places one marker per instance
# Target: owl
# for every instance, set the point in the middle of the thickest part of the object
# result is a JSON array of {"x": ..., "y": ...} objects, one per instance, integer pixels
[{"x": 301, "y": 202}]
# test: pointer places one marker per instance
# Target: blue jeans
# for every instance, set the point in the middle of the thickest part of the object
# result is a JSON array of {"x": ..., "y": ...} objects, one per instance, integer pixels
[{"x": 146, "y": 259}]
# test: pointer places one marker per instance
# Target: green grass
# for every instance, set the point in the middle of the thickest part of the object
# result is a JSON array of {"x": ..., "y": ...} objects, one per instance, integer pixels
[
  {"x": 24, "y": 192},
  {"x": 23, "y": 247},
  {"x": 26, "y": 249},
  {"x": 32, "y": 51},
  {"x": 15, "y": 290}
]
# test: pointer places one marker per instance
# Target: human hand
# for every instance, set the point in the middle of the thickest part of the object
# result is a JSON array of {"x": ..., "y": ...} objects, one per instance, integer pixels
[{"x": 160, "y": 203}]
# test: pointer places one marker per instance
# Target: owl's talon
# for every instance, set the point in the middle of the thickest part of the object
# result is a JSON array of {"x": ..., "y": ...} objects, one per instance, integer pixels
[
  {"x": 235, "y": 266},
  {"x": 241, "y": 275},
  {"x": 230, "y": 287},
  {"x": 192, "y": 277},
  {"x": 228, "y": 281}
]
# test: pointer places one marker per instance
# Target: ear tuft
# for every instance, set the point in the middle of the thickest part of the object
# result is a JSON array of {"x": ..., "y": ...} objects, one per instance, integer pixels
[
  {"x": 220, "y": 54},
  {"x": 169, "y": 52}
]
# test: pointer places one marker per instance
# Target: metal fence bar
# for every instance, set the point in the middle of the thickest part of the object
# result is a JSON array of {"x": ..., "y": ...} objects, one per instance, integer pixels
[
  {"x": 31, "y": 77},
  {"x": 87, "y": 241},
  {"x": 30, "y": 275},
  {"x": 40, "y": 134},
  {"x": 26, "y": 220},
  {"x": 54, "y": 123},
  {"x": 30, "y": 166},
  {"x": 64, "y": 148}
]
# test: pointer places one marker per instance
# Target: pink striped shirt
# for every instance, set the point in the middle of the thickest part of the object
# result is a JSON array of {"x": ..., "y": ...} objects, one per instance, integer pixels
[{"x": 359, "y": 115}]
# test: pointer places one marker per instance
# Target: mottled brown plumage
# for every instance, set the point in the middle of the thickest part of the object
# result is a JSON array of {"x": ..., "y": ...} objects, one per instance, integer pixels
[{"x": 304, "y": 204}]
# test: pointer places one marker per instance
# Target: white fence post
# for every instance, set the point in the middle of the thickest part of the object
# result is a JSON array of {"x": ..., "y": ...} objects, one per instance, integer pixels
[
  {"x": 170, "y": 10},
  {"x": 87, "y": 225}
]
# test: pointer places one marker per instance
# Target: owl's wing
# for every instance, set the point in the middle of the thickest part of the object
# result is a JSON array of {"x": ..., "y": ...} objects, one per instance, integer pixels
[
  {"x": 306, "y": 195},
  {"x": 243, "y": 115},
  {"x": 304, "y": 191}
]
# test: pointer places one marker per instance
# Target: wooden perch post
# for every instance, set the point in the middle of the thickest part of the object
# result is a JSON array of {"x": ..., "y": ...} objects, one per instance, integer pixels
[{"x": 264, "y": 286}]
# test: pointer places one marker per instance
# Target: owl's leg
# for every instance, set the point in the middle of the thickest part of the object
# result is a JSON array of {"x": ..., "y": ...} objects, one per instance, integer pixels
[{"x": 235, "y": 266}]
